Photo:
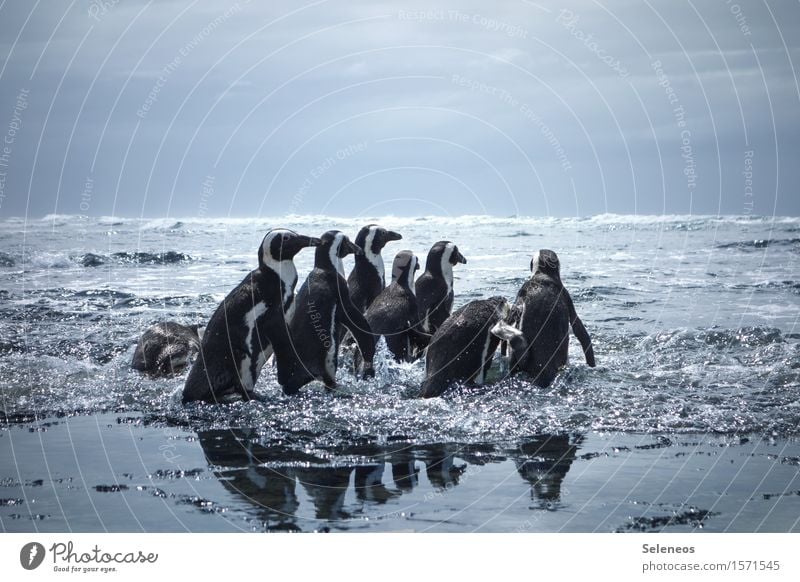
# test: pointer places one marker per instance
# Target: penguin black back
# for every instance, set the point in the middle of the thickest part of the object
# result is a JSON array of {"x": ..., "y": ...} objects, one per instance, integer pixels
[
  {"x": 323, "y": 305},
  {"x": 367, "y": 278},
  {"x": 393, "y": 314},
  {"x": 544, "y": 313},
  {"x": 462, "y": 348},
  {"x": 165, "y": 348},
  {"x": 435, "y": 286}
]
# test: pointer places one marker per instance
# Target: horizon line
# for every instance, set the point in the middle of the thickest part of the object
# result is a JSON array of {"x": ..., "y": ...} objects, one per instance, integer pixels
[{"x": 58, "y": 216}]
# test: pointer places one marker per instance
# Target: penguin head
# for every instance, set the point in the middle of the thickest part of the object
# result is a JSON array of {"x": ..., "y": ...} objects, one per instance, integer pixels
[
  {"x": 443, "y": 255},
  {"x": 282, "y": 244},
  {"x": 372, "y": 238},
  {"x": 404, "y": 267},
  {"x": 455, "y": 256},
  {"x": 546, "y": 262},
  {"x": 502, "y": 307},
  {"x": 334, "y": 245}
]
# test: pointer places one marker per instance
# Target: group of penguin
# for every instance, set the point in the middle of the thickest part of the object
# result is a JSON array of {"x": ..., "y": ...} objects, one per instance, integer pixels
[{"x": 261, "y": 318}]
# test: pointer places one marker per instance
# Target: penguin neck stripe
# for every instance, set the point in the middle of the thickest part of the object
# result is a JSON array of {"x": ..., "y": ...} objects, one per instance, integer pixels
[
  {"x": 280, "y": 267},
  {"x": 370, "y": 241},
  {"x": 447, "y": 267},
  {"x": 287, "y": 273},
  {"x": 333, "y": 254},
  {"x": 284, "y": 268},
  {"x": 374, "y": 259}
]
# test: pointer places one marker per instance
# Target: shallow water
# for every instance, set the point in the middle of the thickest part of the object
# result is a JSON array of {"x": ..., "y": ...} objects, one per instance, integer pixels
[
  {"x": 693, "y": 320},
  {"x": 113, "y": 473}
]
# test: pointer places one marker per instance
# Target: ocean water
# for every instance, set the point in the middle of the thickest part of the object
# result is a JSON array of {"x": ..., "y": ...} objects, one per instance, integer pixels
[{"x": 693, "y": 320}]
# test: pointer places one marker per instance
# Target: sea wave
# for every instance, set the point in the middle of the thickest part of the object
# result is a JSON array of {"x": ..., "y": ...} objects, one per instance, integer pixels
[{"x": 174, "y": 223}]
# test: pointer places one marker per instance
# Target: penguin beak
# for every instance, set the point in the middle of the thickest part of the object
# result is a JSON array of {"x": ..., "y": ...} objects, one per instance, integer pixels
[
  {"x": 391, "y": 235},
  {"x": 300, "y": 242},
  {"x": 459, "y": 258},
  {"x": 351, "y": 247}
]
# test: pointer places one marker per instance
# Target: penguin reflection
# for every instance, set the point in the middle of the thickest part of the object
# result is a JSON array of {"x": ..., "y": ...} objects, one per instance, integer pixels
[
  {"x": 273, "y": 489},
  {"x": 369, "y": 484},
  {"x": 544, "y": 462},
  {"x": 442, "y": 472},
  {"x": 238, "y": 458},
  {"x": 327, "y": 487},
  {"x": 405, "y": 473}
]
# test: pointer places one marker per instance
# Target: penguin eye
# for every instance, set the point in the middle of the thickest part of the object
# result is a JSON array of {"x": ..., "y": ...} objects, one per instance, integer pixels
[{"x": 285, "y": 237}]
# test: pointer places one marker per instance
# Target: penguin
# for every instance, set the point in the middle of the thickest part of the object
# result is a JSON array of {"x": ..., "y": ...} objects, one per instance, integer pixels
[
  {"x": 250, "y": 325},
  {"x": 435, "y": 287},
  {"x": 393, "y": 314},
  {"x": 366, "y": 280},
  {"x": 462, "y": 349},
  {"x": 323, "y": 305},
  {"x": 166, "y": 348},
  {"x": 543, "y": 313}
]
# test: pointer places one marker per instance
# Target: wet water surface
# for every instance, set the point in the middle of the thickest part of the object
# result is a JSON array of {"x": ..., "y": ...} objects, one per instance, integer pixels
[
  {"x": 111, "y": 472},
  {"x": 689, "y": 421}
]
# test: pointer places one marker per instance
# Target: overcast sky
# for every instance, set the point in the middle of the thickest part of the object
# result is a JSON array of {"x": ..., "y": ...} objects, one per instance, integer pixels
[{"x": 176, "y": 108}]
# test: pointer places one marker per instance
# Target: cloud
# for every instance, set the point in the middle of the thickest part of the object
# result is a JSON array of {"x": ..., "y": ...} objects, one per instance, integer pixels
[{"x": 259, "y": 93}]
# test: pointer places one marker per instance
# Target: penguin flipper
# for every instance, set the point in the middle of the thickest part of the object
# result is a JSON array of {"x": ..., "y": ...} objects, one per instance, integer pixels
[
  {"x": 586, "y": 342},
  {"x": 580, "y": 332}
]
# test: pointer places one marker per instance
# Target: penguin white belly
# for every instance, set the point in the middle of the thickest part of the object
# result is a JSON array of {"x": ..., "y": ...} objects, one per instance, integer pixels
[
  {"x": 480, "y": 376},
  {"x": 330, "y": 356},
  {"x": 250, "y": 319},
  {"x": 447, "y": 268}
]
